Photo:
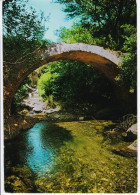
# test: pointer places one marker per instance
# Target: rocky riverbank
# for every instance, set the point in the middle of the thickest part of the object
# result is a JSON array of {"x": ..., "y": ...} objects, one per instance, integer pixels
[
  {"x": 33, "y": 106},
  {"x": 15, "y": 124},
  {"x": 20, "y": 122}
]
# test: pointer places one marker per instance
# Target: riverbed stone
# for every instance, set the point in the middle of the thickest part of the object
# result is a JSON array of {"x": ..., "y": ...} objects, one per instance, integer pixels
[
  {"x": 128, "y": 151},
  {"x": 133, "y": 146},
  {"x": 131, "y": 133},
  {"x": 133, "y": 129},
  {"x": 125, "y": 152}
]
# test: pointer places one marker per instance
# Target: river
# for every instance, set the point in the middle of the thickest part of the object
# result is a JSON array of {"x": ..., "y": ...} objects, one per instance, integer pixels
[{"x": 65, "y": 157}]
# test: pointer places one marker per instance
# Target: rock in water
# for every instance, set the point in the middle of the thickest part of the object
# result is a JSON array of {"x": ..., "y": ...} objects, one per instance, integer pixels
[
  {"x": 133, "y": 129},
  {"x": 133, "y": 146},
  {"x": 132, "y": 132},
  {"x": 129, "y": 151}
]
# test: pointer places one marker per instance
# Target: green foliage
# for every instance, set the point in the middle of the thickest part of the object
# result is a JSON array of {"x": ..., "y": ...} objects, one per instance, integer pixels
[
  {"x": 108, "y": 24},
  {"x": 21, "y": 20},
  {"x": 129, "y": 64},
  {"x": 23, "y": 30},
  {"x": 76, "y": 35},
  {"x": 45, "y": 88},
  {"x": 104, "y": 17},
  {"x": 20, "y": 94},
  {"x": 81, "y": 34},
  {"x": 72, "y": 83}
]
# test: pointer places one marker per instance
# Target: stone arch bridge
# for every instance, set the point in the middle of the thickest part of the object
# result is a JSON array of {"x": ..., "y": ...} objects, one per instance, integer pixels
[{"x": 103, "y": 60}]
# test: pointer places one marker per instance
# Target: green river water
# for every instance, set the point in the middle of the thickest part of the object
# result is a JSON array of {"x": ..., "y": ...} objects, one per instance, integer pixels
[{"x": 68, "y": 157}]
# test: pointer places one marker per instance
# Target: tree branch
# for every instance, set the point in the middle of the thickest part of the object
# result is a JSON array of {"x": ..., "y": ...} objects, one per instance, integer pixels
[{"x": 18, "y": 61}]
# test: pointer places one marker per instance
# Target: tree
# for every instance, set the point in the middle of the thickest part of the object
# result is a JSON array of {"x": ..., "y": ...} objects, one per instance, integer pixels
[
  {"x": 76, "y": 34},
  {"x": 73, "y": 83},
  {"x": 110, "y": 24},
  {"x": 104, "y": 17},
  {"x": 23, "y": 30},
  {"x": 79, "y": 33},
  {"x": 128, "y": 72}
]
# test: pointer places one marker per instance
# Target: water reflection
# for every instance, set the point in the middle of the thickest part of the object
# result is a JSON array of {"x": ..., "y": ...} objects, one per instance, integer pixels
[{"x": 38, "y": 147}]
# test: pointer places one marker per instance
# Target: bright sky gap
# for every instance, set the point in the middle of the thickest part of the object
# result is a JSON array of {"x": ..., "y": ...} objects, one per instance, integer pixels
[{"x": 57, "y": 17}]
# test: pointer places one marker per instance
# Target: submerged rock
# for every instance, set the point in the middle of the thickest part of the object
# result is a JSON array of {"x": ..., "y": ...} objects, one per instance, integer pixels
[
  {"x": 133, "y": 146},
  {"x": 128, "y": 151},
  {"x": 20, "y": 180}
]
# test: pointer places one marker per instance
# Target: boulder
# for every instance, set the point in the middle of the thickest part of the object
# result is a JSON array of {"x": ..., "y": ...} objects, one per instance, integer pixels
[
  {"x": 133, "y": 129},
  {"x": 131, "y": 133},
  {"x": 133, "y": 146}
]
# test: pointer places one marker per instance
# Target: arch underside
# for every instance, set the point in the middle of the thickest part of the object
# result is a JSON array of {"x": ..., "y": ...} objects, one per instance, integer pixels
[
  {"x": 108, "y": 68},
  {"x": 100, "y": 59}
]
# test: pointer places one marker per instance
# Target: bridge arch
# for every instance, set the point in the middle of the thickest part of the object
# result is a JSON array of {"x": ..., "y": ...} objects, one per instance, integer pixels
[{"x": 103, "y": 60}]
